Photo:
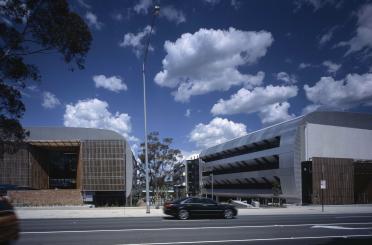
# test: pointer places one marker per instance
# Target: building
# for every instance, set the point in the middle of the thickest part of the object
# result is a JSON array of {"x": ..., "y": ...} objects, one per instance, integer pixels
[
  {"x": 97, "y": 162},
  {"x": 186, "y": 178},
  {"x": 332, "y": 147}
]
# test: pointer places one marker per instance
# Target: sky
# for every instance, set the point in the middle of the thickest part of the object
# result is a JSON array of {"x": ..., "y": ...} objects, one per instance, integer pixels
[{"x": 216, "y": 70}]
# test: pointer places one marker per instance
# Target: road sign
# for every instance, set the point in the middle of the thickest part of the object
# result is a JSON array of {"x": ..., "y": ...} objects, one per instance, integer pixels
[{"x": 323, "y": 184}]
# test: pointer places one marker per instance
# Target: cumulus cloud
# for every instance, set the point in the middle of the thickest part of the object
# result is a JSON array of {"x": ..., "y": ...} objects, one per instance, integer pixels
[
  {"x": 304, "y": 65},
  {"x": 93, "y": 20},
  {"x": 249, "y": 101},
  {"x": 217, "y": 131},
  {"x": 325, "y": 38},
  {"x": 83, "y": 4},
  {"x": 167, "y": 12},
  {"x": 310, "y": 108},
  {"x": 363, "y": 38},
  {"x": 136, "y": 41},
  {"x": 94, "y": 113},
  {"x": 172, "y": 14},
  {"x": 332, "y": 68},
  {"x": 113, "y": 83},
  {"x": 211, "y": 2},
  {"x": 315, "y": 4},
  {"x": 50, "y": 101},
  {"x": 208, "y": 60},
  {"x": 235, "y": 4},
  {"x": 353, "y": 90},
  {"x": 287, "y": 78},
  {"x": 275, "y": 113},
  {"x": 188, "y": 113},
  {"x": 142, "y": 6}
]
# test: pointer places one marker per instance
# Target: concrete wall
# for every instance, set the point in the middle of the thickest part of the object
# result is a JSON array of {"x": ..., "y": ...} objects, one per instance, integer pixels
[{"x": 337, "y": 142}]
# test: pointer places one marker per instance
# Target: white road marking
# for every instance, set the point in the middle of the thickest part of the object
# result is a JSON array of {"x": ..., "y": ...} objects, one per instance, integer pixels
[
  {"x": 334, "y": 227},
  {"x": 250, "y": 240},
  {"x": 187, "y": 228}
]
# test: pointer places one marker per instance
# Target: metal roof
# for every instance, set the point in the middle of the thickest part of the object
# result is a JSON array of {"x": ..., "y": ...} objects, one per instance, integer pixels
[
  {"x": 333, "y": 118},
  {"x": 39, "y": 134}
]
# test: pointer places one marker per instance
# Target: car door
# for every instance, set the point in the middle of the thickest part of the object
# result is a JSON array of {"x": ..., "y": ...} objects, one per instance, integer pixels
[
  {"x": 210, "y": 207},
  {"x": 194, "y": 206}
]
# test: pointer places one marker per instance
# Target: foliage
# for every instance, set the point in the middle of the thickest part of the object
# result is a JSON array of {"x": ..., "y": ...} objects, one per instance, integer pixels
[
  {"x": 29, "y": 27},
  {"x": 161, "y": 159},
  {"x": 276, "y": 188}
]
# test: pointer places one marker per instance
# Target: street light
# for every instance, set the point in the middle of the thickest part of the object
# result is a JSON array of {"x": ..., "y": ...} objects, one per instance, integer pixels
[{"x": 155, "y": 13}]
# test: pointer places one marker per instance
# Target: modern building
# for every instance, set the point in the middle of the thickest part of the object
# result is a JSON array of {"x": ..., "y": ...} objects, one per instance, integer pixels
[
  {"x": 186, "y": 178},
  {"x": 97, "y": 162},
  {"x": 330, "y": 150}
]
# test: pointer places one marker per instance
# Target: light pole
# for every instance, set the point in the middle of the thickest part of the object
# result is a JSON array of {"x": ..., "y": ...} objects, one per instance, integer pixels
[
  {"x": 155, "y": 13},
  {"x": 212, "y": 185}
]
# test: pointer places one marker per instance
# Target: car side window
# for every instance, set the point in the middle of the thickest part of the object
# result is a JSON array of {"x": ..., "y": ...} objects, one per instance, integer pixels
[
  {"x": 193, "y": 200},
  {"x": 208, "y": 201}
]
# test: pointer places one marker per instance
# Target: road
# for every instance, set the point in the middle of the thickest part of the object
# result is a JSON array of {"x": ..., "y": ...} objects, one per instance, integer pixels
[{"x": 330, "y": 229}]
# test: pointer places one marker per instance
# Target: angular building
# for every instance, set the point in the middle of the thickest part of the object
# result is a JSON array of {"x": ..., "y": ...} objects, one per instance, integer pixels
[
  {"x": 97, "y": 162},
  {"x": 297, "y": 155}
]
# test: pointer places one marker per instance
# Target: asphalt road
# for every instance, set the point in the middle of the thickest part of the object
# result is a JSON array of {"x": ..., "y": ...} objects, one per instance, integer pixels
[{"x": 261, "y": 229}]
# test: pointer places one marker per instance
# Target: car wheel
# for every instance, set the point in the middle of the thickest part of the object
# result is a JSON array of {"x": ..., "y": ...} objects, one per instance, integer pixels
[
  {"x": 183, "y": 214},
  {"x": 228, "y": 214}
]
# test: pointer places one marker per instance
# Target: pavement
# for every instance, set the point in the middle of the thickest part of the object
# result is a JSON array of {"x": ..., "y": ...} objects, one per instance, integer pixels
[{"x": 63, "y": 212}]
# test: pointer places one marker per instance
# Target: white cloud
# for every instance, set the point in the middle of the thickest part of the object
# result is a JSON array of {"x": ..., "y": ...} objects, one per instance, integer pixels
[
  {"x": 304, "y": 65},
  {"x": 332, "y": 68},
  {"x": 236, "y": 4},
  {"x": 33, "y": 88},
  {"x": 118, "y": 16},
  {"x": 315, "y": 4},
  {"x": 83, "y": 4},
  {"x": 172, "y": 14},
  {"x": 94, "y": 113},
  {"x": 50, "y": 100},
  {"x": 246, "y": 101},
  {"x": 346, "y": 93},
  {"x": 287, "y": 78},
  {"x": 275, "y": 113},
  {"x": 113, "y": 83},
  {"x": 310, "y": 108},
  {"x": 212, "y": 2},
  {"x": 217, "y": 131},
  {"x": 188, "y": 113},
  {"x": 208, "y": 60},
  {"x": 136, "y": 41},
  {"x": 325, "y": 38},
  {"x": 93, "y": 20},
  {"x": 142, "y": 7},
  {"x": 363, "y": 38}
]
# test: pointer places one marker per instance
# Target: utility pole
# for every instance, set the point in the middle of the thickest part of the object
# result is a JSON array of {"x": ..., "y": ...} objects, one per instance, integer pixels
[
  {"x": 212, "y": 185},
  {"x": 155, "y": 13}
]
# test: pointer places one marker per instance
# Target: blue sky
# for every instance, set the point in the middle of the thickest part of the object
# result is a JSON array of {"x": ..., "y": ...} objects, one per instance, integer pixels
[{"x": 216, "y": 69}]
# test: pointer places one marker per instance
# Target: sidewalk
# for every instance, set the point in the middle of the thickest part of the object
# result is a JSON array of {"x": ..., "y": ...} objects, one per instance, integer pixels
[{"x": 86, "y": 212}]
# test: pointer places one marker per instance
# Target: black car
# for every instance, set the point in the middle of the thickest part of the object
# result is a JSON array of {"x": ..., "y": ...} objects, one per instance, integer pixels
[
  {"x": 194, "y": 206},
  {"x": 9, "y": 226}
]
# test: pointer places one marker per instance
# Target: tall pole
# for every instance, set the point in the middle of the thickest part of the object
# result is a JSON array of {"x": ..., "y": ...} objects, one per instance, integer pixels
[
  {"x": 212, "y": 185},
  {"x": 186, "y": 179},
  {"x": 156, "y": 12}
]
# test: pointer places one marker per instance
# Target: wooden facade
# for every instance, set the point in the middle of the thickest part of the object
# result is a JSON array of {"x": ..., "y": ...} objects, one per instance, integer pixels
[{"x": 339, "y": 176}]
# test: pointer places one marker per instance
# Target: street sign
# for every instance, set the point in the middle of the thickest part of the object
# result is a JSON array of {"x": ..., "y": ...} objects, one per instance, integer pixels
[{"x": 323, "y": 184}]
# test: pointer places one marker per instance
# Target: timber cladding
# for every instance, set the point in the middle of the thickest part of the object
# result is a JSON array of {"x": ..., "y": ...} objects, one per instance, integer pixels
[{"x": 339, "y": 176}]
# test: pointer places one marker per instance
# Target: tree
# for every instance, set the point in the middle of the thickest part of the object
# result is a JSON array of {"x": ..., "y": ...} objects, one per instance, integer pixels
[
  {"x": 277, "y": 190},
  {"x": 29, "y": 27},
  {"x": 161, "y": 158}
]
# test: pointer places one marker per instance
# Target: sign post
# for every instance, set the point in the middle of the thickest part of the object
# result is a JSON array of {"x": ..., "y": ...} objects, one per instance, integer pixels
[{"x": 323, "y": 186}]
